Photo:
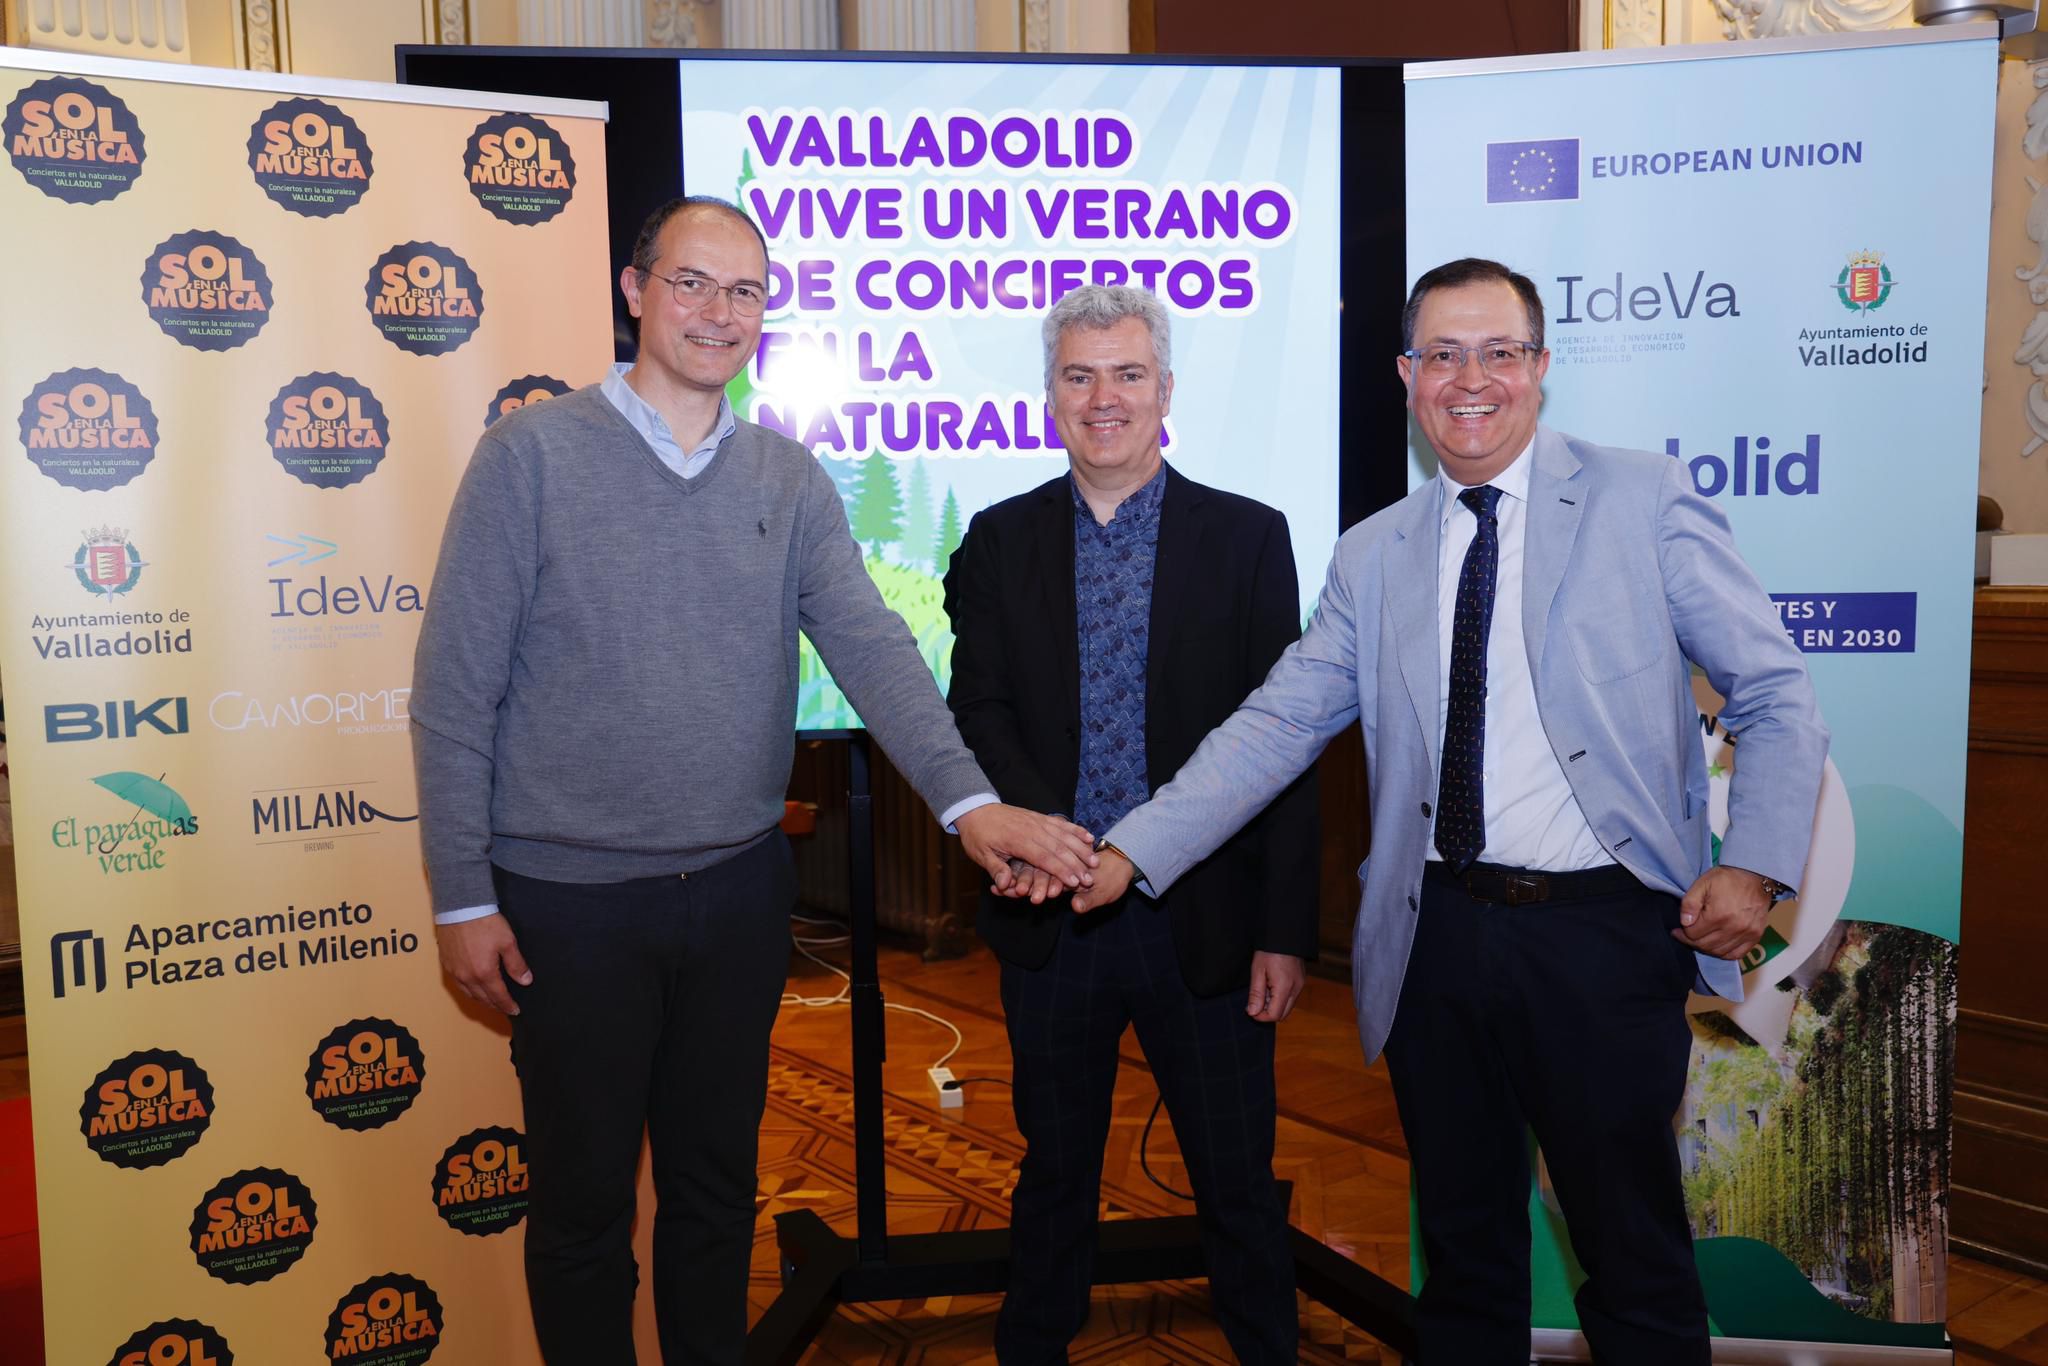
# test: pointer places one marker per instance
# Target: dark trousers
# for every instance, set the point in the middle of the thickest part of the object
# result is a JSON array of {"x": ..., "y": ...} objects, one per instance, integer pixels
[
  {"x": 1567, "y": 1017},
  {"x": 650, "y": 1008},
  {"x": 1213, "y": 1065}
]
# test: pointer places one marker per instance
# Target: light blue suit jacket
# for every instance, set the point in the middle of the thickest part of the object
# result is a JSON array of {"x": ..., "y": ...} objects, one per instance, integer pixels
[{"x": 1628, "y": 574}]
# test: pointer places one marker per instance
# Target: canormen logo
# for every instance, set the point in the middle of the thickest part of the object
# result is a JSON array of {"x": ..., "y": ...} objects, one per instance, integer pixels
[
  {"x": 174, "y": 1342},
  {"x": 327, "y": 430},
  {"x": 77, "y": 957},
  {"x": 388, "y": 1320},
  {"x": 310, "y": 157},
  {"x": 206, "y": 290},
  {"x": 88, "y": 429},
  {"x": 1865, "y": 283},
  {"x": 73, "y": 140},
  {"x": 138, "y": 844},
  {"x": 253, "y": 1225},
  {"x": 522, "y": 391},
  {"x": 519, "y": 168},
  {"x": 1521, "y": 172},
  {"x": 365, "y": 1074},
  {"x": 146, "y": 1109},
  {"x": 424, "y": 298},
  {"x": 115, "y": 720},
  {"x": 480, "y": 1183},
  {"x": 350, "y": 713},
  {"x": 107, "y": 563}
]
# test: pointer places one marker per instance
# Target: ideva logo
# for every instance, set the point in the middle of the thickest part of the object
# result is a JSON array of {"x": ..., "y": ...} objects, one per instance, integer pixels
[
  {"x": 1865, "y": 283},
  {"x": 73, "y": 140},
  {"x": 424, "y": 298},
  {"x": 310, "y": 157},
  {"x": 522, "y": 391},
  {"x": 206, "y": 290},
  {"x": 88, "y": 429},
  {"x": 365, "y": 1074},
  {"x": 136, "y": 844},
  {"x": 480, "y": 1183},
  {"x": 146, "y": 1109},
  {"x": 253, "y": 1225},
  {"x": 107, "y": 563},
  {"x": 327, "y": 430},
  {"x": 174, "y": 1342},
  {"x": 519, "y": 168},
  {"x": 388, "y": 1320}
]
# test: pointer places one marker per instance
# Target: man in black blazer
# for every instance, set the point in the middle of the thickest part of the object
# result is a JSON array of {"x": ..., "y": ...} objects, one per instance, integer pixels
[{"x": 1136, "y": 677}]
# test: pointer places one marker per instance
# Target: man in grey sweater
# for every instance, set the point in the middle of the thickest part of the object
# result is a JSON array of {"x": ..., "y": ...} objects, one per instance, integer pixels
[{"x": 604, "y": 703}]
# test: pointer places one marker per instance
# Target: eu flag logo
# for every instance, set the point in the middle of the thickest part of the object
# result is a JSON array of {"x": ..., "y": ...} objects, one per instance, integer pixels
[{"x": 1520, "y": 171}]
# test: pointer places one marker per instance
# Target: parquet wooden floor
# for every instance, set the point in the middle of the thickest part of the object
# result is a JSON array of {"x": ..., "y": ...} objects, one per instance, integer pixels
[{"x": 1339, "y": 1141}]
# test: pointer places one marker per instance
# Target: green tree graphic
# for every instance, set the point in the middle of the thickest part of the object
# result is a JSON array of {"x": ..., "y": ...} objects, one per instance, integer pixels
[
  {"x": 949, "y": 534},
  {"x": 919, "y": 530},
  {"x": 878, "y": 507}
]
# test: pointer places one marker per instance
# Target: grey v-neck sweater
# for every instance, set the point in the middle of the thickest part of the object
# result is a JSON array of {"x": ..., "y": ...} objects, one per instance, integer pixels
[{"x": 606, "y": 680}]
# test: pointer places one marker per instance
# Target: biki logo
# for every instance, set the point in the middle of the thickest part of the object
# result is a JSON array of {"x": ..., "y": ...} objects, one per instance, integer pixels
[
  {"x": 310, "y": 157},
  {"x": 146, "y": 1109},
  {"x": 88, "y": 429},
  {"x": 327, "y": 430},
  {"x": 107, "y": 563},
  {"x": 388, "y": 1320},
  {"x": 139, "y": 843},
  {"x": 527, "y": 389},
  {"x": 519, "y": 168},
  {"x": 174, "y": 1342},
  {"x": 480, "y": 1183},
  {"x": 365, "y": 1074},
  {"x": 424, "y": 298},
  {"x": 73, "y": 140},
  {"x": 115, "y": 720},
  {"x": 205, "y": 290},
  {"x": 1865, "y": 283},
  {"x": 253, "y": 1225}
]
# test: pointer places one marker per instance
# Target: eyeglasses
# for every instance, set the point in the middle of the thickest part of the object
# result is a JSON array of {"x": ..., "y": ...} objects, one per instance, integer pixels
[
  {"x": 695, "y": 292},
  {"x": 1494, "y": 357}
]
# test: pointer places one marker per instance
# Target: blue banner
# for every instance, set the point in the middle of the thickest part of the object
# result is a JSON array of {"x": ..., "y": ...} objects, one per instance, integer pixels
[{"x": 1740, "y": 269}]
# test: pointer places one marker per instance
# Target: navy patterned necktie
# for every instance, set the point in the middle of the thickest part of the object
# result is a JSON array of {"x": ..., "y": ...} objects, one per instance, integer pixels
[{"x": 1461, "y": 786}]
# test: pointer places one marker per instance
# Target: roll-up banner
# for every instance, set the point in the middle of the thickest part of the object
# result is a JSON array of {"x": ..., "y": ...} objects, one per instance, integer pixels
[
  {"x": 1767, "y": 261},
  {"x": 255, "y": 328}
]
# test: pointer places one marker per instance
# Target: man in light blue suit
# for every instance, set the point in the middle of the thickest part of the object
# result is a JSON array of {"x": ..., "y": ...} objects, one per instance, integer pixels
[{"x": 1517, "y": 639}]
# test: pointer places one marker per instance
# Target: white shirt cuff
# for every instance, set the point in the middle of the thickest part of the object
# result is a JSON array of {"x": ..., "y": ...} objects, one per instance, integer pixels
[
  {"x": 456, "y": 917},
  {"x": 961, "y": 808}
]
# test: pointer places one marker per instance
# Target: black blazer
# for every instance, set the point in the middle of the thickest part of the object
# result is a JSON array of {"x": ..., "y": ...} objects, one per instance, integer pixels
[{"x": 1224, "y": 605}]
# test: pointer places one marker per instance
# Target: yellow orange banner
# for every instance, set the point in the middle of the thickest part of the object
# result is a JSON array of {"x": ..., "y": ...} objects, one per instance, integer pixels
[{"x": 255, "y": 326}]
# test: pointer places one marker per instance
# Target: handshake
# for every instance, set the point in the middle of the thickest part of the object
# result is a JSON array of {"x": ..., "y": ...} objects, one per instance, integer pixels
[{"x": 1030, "y": 855}]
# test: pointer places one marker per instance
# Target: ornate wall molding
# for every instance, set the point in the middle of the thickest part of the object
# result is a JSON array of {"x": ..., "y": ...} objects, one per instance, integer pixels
[
  {"x": 452, "y": 21},
  {"x": 913, "y": 26},
  {"x": 2032, "y": 350},
  {"x": 673, "y": 23},
  {"x": 786, "y": 24},
  {"x": 259, "y": 35},
  {"x": 1038, "y": 25},
  {"x": 153, "y": 30},
  {"x": 1786, "y": 18},
  {"x": 1637, "y": 23}
]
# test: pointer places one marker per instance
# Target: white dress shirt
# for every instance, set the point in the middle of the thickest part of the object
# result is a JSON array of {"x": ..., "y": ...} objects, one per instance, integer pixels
[{"x": 1532, "y": 818}]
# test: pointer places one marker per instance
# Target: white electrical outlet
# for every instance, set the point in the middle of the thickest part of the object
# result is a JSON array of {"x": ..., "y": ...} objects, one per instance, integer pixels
[{"x": 951, "y": 1097}]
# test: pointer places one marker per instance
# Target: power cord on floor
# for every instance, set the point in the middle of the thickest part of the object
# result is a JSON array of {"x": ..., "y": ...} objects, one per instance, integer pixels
[{"x": 841, "y": 997}]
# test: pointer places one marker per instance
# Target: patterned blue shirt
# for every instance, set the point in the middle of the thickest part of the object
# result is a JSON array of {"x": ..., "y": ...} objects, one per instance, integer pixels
[{"x": 1113, "y": 610}]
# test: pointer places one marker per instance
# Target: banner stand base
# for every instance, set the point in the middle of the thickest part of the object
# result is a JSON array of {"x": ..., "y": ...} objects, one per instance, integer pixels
[{"x": 822, "y": 1269}]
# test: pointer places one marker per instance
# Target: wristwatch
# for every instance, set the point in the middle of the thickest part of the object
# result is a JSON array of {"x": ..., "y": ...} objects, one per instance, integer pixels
[
  {"x": 1776, "y": 890},
  {"x": 1103, "y": 846}
]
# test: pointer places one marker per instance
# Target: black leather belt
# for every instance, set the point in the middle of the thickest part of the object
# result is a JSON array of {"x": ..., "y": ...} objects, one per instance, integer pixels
[{"x": 1525, "y": 886}]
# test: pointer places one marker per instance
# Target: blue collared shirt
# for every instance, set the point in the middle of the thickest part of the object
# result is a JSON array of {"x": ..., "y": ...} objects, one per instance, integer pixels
[
  {"x": 1113, "y": 566},
  {"x": 654, "y": 428}
]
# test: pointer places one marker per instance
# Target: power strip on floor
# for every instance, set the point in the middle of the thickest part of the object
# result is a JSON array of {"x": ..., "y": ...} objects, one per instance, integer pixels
[{"x": 951, "y": 1097}]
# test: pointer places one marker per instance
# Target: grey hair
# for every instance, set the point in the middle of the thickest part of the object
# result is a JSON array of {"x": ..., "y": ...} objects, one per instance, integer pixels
[{"x": 1104, "y": 306}]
